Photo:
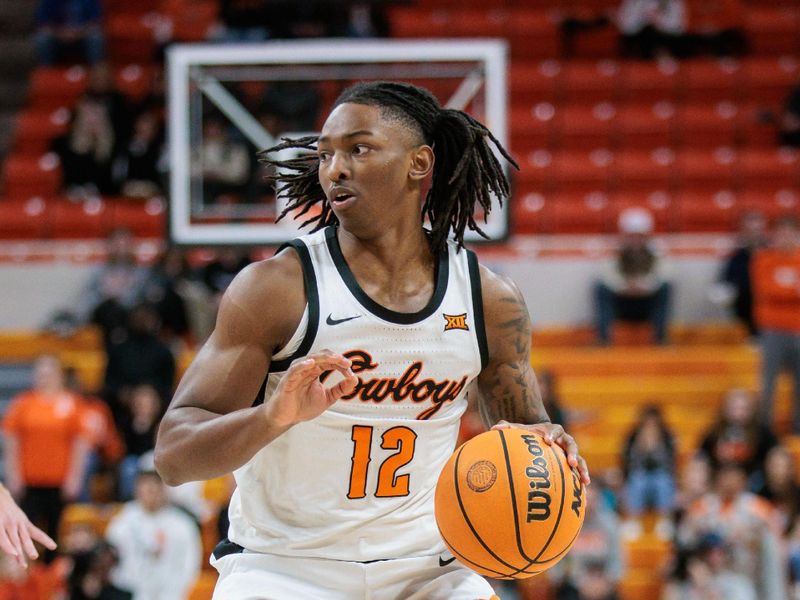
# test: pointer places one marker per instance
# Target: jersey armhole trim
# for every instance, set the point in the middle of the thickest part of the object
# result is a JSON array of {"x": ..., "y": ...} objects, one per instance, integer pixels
[
  {"x": 312, "y": 298},
  {"x": 477, "y": 306}
]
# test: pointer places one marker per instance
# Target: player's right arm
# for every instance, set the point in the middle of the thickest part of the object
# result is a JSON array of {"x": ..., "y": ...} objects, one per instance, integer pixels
[{"x": 211, "y": 426}]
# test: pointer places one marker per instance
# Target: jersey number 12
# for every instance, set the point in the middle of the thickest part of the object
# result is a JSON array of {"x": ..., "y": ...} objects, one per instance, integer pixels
[{"x": 390, "y": 484}]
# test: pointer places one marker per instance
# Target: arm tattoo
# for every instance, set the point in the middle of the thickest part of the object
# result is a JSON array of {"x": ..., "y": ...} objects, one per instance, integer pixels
[{"x": 508, "y": 386}]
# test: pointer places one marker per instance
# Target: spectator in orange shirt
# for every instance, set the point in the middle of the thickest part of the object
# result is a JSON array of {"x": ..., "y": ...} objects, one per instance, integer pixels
[
  {"x": 776, "y": 287},
  {"x": 46, "y": 445}
]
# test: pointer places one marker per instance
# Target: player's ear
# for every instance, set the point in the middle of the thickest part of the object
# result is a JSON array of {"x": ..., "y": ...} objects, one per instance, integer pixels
[{"x": 422, "y": 160}]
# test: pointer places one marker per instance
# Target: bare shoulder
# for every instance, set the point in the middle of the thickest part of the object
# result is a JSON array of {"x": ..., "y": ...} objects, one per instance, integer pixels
[
  {"x": 265, "y": 299},
  {"x": 508, "y": 325}
]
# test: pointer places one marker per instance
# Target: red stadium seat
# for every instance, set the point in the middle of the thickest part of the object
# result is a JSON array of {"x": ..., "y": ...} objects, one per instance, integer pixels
[
  {"x": 51, "y": 87},
  {"x": 582, "y": 172},
  {"x": 32, "y": 175},
  {"x": 580, "y": 127},
  {"x": 537, "y": 172},
  {"x": 478, "y": 23},
  {"x": 130, "y": 39},
  {"x": 134, "y": 80},
  {"x": 704, "y": 169},
  {"x": 643, "y": 171},
  {"x": 643, "y": 127},
  {"x": 707, "y": 211},
  {"x": 591, "y": 82},
  {"x": 710, "y": 16},
  {"x": 78, "y": 220},
  {"x": 649, "y": 82},
  {"x": 532, "y": 128},
  {"x": 755, "y": 128},
  {"x": 23, "y": 218},
  {"x": 36, "y": 128},
  {"x": 578, "y": 213},
  {"x": 145, "y": 219},
  {"x": 707, "y": 125},
  {"x": 531, "y": 83},
  {"x": 767, "y": 81},
  {"x": 527, "y": 213},
  {"x": 773, "y": 167},
  {"x": 660, "y": 203},
  {"x": 773, "y": 30},
  {"x": 710, "y": 80},
  {"x": 533, "y": 34},
  {"x": 772, "y": 202}
]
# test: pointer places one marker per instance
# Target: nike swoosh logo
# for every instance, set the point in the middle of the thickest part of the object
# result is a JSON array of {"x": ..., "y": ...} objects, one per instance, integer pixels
[
  {"x": 444, "y": 563},
  {"x": 331, "y": 321}
]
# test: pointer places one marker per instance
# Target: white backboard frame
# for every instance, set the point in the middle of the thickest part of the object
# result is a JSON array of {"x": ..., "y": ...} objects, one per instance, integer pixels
[{"x": 183, "y": 58}]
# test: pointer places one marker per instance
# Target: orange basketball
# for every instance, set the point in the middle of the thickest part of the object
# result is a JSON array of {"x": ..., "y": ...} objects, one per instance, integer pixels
[{"x": 508, "y": 505}]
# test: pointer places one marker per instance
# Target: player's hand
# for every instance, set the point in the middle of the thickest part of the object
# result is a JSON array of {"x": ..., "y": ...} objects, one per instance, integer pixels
[
  {"x": 554, "y": 433},
  {"x": 300, "y": 396},
  {"x": 17, "y": 533}
]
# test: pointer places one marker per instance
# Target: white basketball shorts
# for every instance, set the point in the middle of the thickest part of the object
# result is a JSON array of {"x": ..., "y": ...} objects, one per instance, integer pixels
[{"x": 256, "y": 576}]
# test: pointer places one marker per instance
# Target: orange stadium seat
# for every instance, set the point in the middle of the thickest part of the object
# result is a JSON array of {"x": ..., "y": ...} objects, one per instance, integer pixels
[
  {"x": 32, "y": 175},
  {"x": 706, "y": 211},
  {"x": 649, "y": 82},
  {"x": 83, "y": 220},
  {"x": 772, "y": 29},
  {"x": 591, "y": 82},
  {"x": 643, "y": 127},
  {"x": 767, "y": 81},
  {"x": 707, "y": 80},
  {"x": 530, "y": 83},
  {"x": 23, "y": 219},
  {"x": 51, "y": 87},
  {"x": 36, "y": 129},
  {"x": 707, "y": 125},
  {"x": 579, "y": 127}
]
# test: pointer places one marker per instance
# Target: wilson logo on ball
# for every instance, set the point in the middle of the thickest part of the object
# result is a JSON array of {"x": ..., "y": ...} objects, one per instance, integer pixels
[
  {"x": 539, "y": 476},
  {"x": 481, "y": 476}
]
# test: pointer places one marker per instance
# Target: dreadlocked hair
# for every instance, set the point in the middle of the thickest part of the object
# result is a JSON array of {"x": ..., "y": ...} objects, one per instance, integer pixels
[{"x": 465, "y": 175}]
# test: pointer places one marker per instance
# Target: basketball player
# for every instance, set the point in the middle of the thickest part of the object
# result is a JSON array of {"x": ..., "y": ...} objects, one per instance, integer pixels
[
  {"x": 369, "y": 332},
  {"x": 17, "y": 533}
]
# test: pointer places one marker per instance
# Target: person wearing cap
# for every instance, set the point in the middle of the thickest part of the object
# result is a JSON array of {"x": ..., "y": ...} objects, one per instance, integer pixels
[
  {"x": 633, "y": 285},
  {"x": 159, "y": 545}
]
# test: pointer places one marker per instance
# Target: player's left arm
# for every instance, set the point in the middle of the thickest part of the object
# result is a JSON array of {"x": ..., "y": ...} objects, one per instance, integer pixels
[{"x": 508, "y": 392}]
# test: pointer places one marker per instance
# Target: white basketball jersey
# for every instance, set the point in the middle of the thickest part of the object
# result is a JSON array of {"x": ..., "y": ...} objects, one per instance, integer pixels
[{"x": 357, "y": 482}]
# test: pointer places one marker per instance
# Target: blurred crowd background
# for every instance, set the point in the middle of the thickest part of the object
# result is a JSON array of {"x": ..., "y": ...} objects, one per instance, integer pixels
[{"x": 630, "y": 119}]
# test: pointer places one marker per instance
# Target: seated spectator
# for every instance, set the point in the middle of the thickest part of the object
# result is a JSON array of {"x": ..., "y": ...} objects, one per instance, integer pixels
[
  {"x": 776, "y": 292},
  {"x": 244, "y": 21},
  {"x": 739, "y": 436},
  {"x": 103, "y": 89},
  {"x": 744, "y": 521},
  {"x": 595, "y": 565},
  {"x": 66, "y": 26},
  {"x": 735, "y": 288},
  {"x": 694, "y": 483},
  {"x": 139, "y": 429},
  {"x": 705, "y": 573},
  {"x": 46, "y": 446},
  {"x": 90, "y": 576},
  {"x": 633, "y": 286},
  {"x": 221, "y": 163},
  {"x": 159, "y": 545},
  {"x": 140, "y": 358},
  {"x": 138, "y": 167},
  {"x": 218, "y": 274},
  {"x": 781, "y": 487},
  {"x": 651, "y": 28},
  {"x": 166, "y": 286},
  {"x": 87, "y": 149},
  {"x": 789, "y": 123},
  {"x": 648, "y": 459},
  {"x": 113, "y": 288}
]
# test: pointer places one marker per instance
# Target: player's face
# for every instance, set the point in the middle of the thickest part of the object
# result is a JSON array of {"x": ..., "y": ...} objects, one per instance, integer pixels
[{"x": 366, "y": 165}]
